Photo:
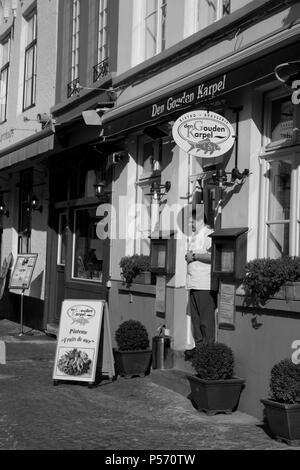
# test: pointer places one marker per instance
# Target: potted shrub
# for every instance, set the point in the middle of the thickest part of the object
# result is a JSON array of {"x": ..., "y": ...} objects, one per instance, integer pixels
[
  {"x": 282, "y": 409},
  {"x": 214, "y": 388},
  {"x": 135, "y": 268},
  {"x": 133, "y": 356},
  {"x": 266, "y": 278}
]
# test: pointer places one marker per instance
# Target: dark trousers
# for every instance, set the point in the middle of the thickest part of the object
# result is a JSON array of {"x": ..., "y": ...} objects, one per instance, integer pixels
[{"x": 202, "y": 309}]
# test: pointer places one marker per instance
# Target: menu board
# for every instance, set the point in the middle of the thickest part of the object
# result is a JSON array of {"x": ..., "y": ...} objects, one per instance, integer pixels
[
  {"x": 226, "y": 306},
  {"x": 84, "y": 342},
  {"x": 23, "y": 271},
  {"x": 160, "y": 298}
]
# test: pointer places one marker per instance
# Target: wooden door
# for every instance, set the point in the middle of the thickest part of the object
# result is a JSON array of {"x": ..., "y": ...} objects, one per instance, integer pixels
[{"x": 62, "y": 244}]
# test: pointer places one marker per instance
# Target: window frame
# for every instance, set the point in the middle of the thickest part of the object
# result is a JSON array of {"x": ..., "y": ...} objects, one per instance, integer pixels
[
  {"x": 267, "y": 143},
  {"x": 191, "y": 22},
  {"x": 75, "y": 40},
  {"x": 60, "y": 237},
  {"x": 160, "y": 13},
  {"x": 139, "y": 30},
  {"x": 31, "y": 46},
  {"x": 143, "y": 183},
  {"x": 273, "y": 152},
  {"x": 5, "y": 69},
  {"x": 73, "y": 278},
  {"x": 102, "y": 39}
]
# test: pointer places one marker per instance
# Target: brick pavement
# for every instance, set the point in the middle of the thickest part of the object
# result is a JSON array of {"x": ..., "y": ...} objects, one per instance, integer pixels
[{"x": 127, "y": 414}]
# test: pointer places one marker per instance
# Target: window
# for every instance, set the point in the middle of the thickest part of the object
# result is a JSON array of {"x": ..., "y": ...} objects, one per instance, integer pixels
[
  {"x": 102, "y": 31},
  {"x": 280, "y": 202},
  {"x": 278, "y": 220},
  {"x": 155, "y": 27},
  {"x": 150, "y": 157},
  {"x": 201, "y": 13},
  {"x": 62, "y": 239},
  {"x": 30, "y": 62},
  {"x": 26, "y": 182},
  {"x": 88, "y": 249},
  {"x": 149, "y": 29},
  {"x": 75, "y": 40},
  {"x": 4, "y": 63},
  {"x": 101, "y": 68}
]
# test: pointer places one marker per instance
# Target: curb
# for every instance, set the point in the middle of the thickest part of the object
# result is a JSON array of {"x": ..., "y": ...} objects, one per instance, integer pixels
[{"x": 30, "y": 352}]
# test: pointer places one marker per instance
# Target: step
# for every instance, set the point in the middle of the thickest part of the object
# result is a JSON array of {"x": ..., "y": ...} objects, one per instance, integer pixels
[
  {"x": 52, "y": 329},
  {"x": 31, "y": 345},
  {"x": 173, "y": 379},
  {"x": 33, "y": 351}
]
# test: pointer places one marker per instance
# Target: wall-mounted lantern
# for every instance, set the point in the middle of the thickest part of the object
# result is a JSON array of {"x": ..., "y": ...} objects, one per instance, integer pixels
[
  {"x": 35, "y": 204},
  {"x": 159, "y": 190},
  {"x": 220, "y": 177},
  {"x": 3, "y": 211},
  {"x": 99, "y": 189}
]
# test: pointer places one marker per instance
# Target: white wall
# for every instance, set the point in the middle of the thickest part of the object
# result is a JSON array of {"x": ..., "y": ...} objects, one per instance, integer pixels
[
  {"x": 45, "y": 95},
  {"x": 46, "y": 70}
]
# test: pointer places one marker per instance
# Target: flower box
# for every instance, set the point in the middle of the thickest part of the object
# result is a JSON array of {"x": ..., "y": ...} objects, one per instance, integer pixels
[
  {"x": 292, "y": 291},
  {"x": 143, "y": 278}
]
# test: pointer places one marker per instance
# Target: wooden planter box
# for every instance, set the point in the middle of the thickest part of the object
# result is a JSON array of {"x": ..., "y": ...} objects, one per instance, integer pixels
[
  {"x": 215, "y": 396},
  {"x": 292, "y": 291},
  {"x": 132, "y": 363},
  {"x": 284, "y": 421},
  {"x": 143, "y": 278}
]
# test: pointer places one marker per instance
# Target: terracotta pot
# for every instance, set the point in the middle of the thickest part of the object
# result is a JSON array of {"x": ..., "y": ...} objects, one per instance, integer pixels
[
  {"x": 284, "y": 421},
  {"x": 215, "y": 396},
  {"x": 132, "y": 363}
]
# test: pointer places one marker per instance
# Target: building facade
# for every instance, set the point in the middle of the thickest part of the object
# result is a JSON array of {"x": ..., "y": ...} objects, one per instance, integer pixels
[
  {"x": 119, "y": 184},
  {"x": 28, "y": 73}
]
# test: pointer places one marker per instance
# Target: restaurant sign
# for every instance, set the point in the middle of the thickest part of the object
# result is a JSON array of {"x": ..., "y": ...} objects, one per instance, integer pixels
[
  {"x": 82, "y": 350},
  {"x": 203, "y": 91},
  {"x": 204, "y": 134}
]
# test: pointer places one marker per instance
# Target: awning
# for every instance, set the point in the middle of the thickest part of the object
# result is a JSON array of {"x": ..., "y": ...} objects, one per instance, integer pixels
[
  {"x": 167, "y": 106},
  {"x": 37, "y": 144}
]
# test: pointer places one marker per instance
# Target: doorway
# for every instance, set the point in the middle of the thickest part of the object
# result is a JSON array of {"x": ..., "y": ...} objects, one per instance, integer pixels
[{"x": 81, "y": 264}]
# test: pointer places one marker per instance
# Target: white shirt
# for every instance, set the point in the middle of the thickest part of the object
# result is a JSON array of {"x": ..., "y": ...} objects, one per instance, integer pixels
[{"x": 198, "y": 273}]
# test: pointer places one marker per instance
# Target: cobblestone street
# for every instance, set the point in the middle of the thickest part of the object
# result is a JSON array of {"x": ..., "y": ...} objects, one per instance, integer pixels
[{"x": 127, "y": 414}]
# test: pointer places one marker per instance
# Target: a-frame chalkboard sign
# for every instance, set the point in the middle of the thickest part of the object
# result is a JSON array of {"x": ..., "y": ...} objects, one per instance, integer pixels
[{"x": 84, "y": 346}]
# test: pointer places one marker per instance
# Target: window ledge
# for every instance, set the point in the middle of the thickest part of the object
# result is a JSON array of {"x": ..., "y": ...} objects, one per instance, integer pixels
[
  {"x": 280, "y": 302},
  {"x": 148, "y": 289}
]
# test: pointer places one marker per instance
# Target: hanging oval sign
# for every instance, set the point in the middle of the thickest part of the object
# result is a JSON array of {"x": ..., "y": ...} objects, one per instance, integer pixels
[{"x": 203, "y": 133}]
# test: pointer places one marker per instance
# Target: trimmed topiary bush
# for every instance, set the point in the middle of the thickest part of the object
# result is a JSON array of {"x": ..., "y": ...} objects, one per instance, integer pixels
[
  {"x": 132, "y": 335},
  {"x": 285, "y": 382},
  {"x": 213, "y": 361}
]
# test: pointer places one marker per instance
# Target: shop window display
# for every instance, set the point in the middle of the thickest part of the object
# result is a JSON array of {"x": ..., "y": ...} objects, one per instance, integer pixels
[{"x": 88, "y": 250}]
